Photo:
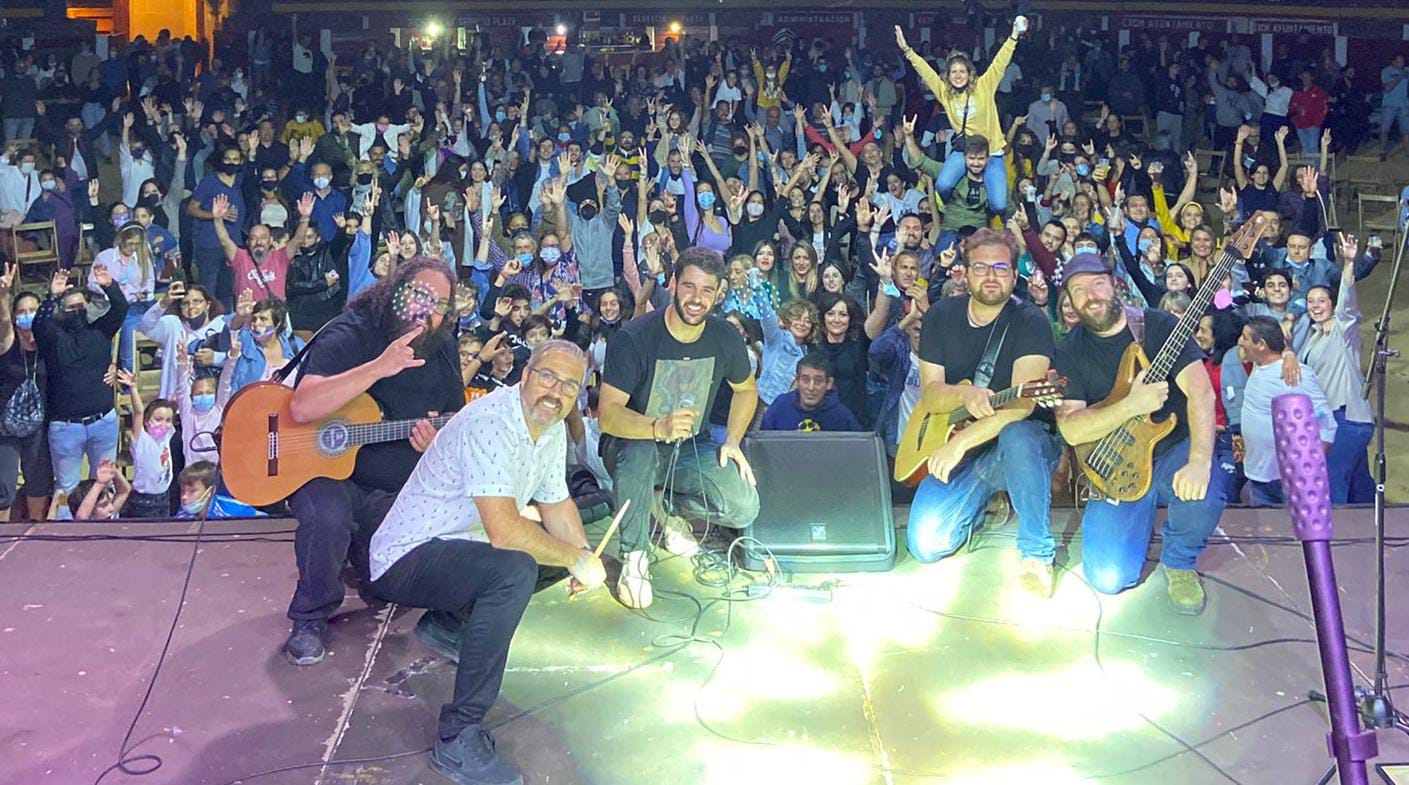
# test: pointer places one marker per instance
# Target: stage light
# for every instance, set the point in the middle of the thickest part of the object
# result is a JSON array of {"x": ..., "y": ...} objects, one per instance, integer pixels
[
  {"x": 562, "y": 29},
  {"x": 675, "y": 27},
  {"x": 433, "y": 29}
]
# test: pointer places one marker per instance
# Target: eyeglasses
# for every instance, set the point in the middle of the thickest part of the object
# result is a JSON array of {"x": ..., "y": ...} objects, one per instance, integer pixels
[
  {"x": 984, "y": 268},
  {"x": 552, "y": 381}
]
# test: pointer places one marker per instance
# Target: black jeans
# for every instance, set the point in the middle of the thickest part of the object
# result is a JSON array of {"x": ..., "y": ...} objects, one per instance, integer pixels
[
  {"x": 485, "y": 586},
  {"x": 336, "y": 521},
  {"x": 31, "y": 454},
  {"x": 697, "y": 487}
]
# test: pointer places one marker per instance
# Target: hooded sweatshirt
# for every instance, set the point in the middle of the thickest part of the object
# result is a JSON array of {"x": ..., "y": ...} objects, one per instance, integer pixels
[{"x": 786, "y": 414}]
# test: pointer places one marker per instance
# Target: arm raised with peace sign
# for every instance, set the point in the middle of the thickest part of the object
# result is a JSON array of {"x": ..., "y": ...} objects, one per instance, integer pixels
[{"x": 317, "y": 397}]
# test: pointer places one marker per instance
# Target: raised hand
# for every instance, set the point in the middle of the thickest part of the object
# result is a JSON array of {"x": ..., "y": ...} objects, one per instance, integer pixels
[
  {"x": 882, "y": 266},
  {"x": 502, "y": 306},
  {"x": 102, "y": 275},
  {"x": 1227, "y": 200},
  {"x": 244, "y": 305},
  {"x": 126, "y": 378},
  {"x": 219, "y": 207},
  {"x": 900, "y": 39},
  {"x": 1306, "y": 177},
  {"x": 1281, "y": 135},
  {"x": 512, "y": 267},
  {"x": 305, "y": 206},
  {"x": 7, "y": 281},
  {"x": 1350, "y": 247},
  {"x": 399, "y": 355}
]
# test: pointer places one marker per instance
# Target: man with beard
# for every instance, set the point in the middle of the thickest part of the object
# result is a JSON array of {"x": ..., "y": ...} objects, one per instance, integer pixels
[
  {"x": 260, "y": 268},
  {"x": 395, "y": 344},
  {"x": 662, "y": 372},
  {"x": 1115, "y": 537},
  {"x": 969, "y": 348},
  {"x": 463, "y": 542}
]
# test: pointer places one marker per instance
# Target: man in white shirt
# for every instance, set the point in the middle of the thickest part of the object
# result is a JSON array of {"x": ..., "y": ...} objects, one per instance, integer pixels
[
  {"x": 1262, "y": 342},
  {"x": 457, "y": 542}
]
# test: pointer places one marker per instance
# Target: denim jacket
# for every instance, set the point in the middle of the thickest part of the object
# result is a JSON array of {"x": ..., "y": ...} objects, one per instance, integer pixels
[
  {"x": 890, "y": 360},
  {"x": 249, "y": 368}
]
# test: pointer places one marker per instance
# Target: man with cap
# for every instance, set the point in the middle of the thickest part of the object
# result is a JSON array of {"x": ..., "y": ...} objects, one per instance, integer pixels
[
  {"x": 1116, "y": 536},
  {"x": 971, "y": 347}
]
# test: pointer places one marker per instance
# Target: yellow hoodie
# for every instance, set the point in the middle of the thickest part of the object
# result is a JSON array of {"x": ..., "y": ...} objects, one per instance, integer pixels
[{"x": 977, "y": 104}]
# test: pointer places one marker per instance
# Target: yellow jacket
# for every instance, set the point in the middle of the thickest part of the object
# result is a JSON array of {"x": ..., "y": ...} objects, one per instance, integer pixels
[{"x": 973, "y": 111}]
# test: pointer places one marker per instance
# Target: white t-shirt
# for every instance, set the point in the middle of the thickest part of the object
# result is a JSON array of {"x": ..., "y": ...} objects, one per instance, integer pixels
[
  {"x": 1265, "y": 384},
  {"x": 485, "y": 450},
  {"x": 151, "y": 462},
  {"x": 910, "y": 395}
]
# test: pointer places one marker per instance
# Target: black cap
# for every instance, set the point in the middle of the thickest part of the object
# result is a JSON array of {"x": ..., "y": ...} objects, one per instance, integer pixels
[{"x": 1083, "y": 263}]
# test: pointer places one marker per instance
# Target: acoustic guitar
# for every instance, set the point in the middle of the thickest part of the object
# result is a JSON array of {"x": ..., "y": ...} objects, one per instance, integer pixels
[
  {"x": 265, "y": 455},
  {"x": 928, "y": 431},
  {"x": 1120, "y": 465}
]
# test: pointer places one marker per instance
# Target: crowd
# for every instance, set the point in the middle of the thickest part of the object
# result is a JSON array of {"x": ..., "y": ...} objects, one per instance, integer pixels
[{"x": 237, "y": 205}]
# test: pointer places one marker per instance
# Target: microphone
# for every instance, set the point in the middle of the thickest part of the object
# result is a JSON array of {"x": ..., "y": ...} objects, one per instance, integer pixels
[{"x": 1302, "y": 465}]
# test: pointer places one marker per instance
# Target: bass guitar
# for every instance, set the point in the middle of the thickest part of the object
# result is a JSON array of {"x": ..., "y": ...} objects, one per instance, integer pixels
[
  {"x": 265, "y": 455},
  {"x": 927, "y": 432},
  {"x": 1120, "y": 465}
]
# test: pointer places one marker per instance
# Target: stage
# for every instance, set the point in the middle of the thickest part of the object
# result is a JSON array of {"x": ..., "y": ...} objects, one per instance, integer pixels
[{"x": 928, "y": 673}]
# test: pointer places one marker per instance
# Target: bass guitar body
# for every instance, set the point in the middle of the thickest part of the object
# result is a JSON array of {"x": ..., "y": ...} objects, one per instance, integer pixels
[
  {"x": 1120, "y": 465},
  {"x": 265, "y": 455}
]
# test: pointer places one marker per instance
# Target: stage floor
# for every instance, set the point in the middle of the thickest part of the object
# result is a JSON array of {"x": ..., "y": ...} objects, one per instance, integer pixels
[{"x": 929, "y": 673}]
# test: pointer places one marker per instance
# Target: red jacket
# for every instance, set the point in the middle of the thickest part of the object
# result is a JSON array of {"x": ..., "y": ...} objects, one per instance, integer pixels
[{"x": 1308, "y": 107}]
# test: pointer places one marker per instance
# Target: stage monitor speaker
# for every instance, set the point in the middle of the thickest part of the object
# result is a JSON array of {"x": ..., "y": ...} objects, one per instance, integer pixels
[{"x": 824, "y": 502}]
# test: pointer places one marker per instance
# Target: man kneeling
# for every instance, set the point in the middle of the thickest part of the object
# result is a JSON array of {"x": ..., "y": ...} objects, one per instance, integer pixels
[{"x": 455, "y": 540}]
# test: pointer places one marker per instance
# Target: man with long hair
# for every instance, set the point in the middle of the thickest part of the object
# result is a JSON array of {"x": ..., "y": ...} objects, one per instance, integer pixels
[{"x": 394, "y": 343}]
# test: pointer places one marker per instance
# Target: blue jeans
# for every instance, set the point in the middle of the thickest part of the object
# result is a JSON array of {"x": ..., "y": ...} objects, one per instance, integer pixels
[
  {"x": 126, "y": 341},
  {"x": 1310, "y": 139},
  {"x": 214, "y": 274},
  {"x": 995, "y": 179},
  {"x": 1232, "y": 480},
  {"x": 1347, "y": 464},
  {"x": 1266, "y": 494},
  {"x": 1020, "y": 461},
  {"x": 1115, "y": 537},
  {"x": 70, "y": 441}
]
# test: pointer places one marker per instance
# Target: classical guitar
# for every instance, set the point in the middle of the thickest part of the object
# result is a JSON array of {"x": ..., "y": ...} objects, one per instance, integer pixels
[
  {"x": 1120, "y": 465},
  {"x": 265, "y": 455},
  {"x": 928, "y": 431}
]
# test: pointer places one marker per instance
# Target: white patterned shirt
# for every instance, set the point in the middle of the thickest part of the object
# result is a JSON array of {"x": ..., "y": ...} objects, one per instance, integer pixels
[{"x": 484, "y": 450}]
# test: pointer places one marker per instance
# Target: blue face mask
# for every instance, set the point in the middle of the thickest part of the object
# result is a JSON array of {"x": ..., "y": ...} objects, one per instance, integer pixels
[
  {"x": 260, "y": 333},
  {"x": 203, "y": 402},
  {"x": 1145, "y": 245},
  {"x": 24, "y": 321},
  {"x": 1082, "y": 170},
  {"x": 706, "y": 200},
  {"x": 565, "y": 136},
  {"x": 500, "y": 116},
  {"x": 1046, "y": 98},
  {"x": 876, "y": 132},
  {"x": 525, "y": 259}
]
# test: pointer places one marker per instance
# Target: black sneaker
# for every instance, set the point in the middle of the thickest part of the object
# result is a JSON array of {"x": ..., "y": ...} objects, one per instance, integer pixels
[
  {"x": 440, "y": 632},
  {"x": 305, "y": 643},
  {"x": 469, "y": 759}
]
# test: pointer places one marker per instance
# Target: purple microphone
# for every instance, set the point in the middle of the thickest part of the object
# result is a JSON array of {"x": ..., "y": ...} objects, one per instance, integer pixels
[{"x": 1302, "y": 464}]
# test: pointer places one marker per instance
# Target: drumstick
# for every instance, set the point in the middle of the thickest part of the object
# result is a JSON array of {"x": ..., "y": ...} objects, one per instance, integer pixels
[{"x": 601, "y": 546}]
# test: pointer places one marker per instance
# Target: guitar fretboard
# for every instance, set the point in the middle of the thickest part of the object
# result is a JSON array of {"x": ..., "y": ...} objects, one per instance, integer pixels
[
  {"x": 390, "y": 430},
  {"x": 1173, "y": 346}
]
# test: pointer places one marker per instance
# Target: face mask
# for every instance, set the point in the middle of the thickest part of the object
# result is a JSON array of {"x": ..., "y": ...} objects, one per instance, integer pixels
[
  {"x": 300, "y": 118},
  {"x": 158, "y": 432},
  {"x": 49, "y": 185},
  {"x": 261, "y": 333},
  {"x": 659, "y": 217},
  {"x": 754, "y": 209},
  {"x": 623, "y": 184},
  {"x": 321, "y": 182},
  {"x": 269, "y": 185},
  {"x": 364, "y": 179},
  {"x": 122, "y": 220},
  {"x": 587, "y": 211},
  {"x": 877, "y": 133},
  {"x": 197, "y": 506},
  {"x": 1145, "y": 245},
  {"x": 740, "y": 150},
  {"x": 525, "y": 259},
  {"x": 24, "y": 321},
  {"x": 1082, "y": 170},
  {"x": 500, "y": 116},
  {"x": 550, "y": 254},
  {"x": 203, "y": 402},
  {"x": 27, "y": 168},
  {"x": 1046, "y": 98},
  {"x": 705, "y": 200},
  {"x": 229, "y": 167},
  {"x": 563, "y": 137},
  {"x": 71, "y": 320},
  {"x": 1086, "y": 249}
]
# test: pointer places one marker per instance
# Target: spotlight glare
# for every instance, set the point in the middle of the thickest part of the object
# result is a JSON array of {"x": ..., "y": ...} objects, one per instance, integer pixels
[
  {"x": 675, "y": 27},
  {"x": 433, "y": 29},
  {"x": 562, "y": 29}
]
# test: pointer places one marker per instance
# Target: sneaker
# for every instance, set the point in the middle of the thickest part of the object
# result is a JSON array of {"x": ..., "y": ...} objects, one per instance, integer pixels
[
  {"x": 1036, "y": 577},
  {"x": 470, "y": 759},
  {"x": 633, "y": 587},
  {"x": 440, "y": 632},
  {"x": 1186, "y": 590},
  {"x": 677, "y": 537},
  {"x": 997, "y": 512},
  {"x": 305, "y": 643}
]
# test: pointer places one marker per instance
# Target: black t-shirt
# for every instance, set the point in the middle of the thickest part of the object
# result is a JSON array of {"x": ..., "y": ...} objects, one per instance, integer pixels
[
  {"x": 350, "y": 340},
  {"x": 849, "y": 365},
  {"x": 947, "y": 339},
  {"x": 1089, "y": 363},
  {"x": 662, "y": 374}
]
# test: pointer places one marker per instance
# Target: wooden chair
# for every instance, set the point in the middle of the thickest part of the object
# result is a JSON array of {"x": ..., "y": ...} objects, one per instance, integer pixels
[
  {"x": 1363, "y": 173},
  {"x": 35, "y": 248},
  {"x": 1383, "y": 216},
  {"x": 1211, "y": 163},
  {"x": 1131, "y": 121}
]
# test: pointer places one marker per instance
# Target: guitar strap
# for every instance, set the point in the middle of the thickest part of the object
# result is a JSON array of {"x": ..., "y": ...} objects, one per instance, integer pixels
[
  {"x": 1135, "y": 319},
  {"x": 987, "y": 364}
]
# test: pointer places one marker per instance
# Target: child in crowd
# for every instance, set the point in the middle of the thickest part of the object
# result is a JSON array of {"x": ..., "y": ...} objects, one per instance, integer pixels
[
  {"x": 201, "y": 401},
  {"x": 152, "y": 429},
  {"x": 198, "y": 481},
  {"x": 101, "y": 498}
]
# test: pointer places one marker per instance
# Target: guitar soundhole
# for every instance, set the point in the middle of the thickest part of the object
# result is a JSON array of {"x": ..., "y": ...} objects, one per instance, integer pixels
[{"x": 333, "y": 439}]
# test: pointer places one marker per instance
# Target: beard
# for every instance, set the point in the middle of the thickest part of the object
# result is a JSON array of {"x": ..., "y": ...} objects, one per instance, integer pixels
[
  {"x": 1105, "y": 320},
  {"x": 258, "y": 254},
  {"x": 684, "y": 317},
  {"x": 987, "y": 296}
]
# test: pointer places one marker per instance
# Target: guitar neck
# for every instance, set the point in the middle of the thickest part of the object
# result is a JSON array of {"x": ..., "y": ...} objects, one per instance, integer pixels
[
  {"x": 390, "y": 430},
  {"x": 1173, "y": 346},
  {"x": 999, "y": 400}
]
